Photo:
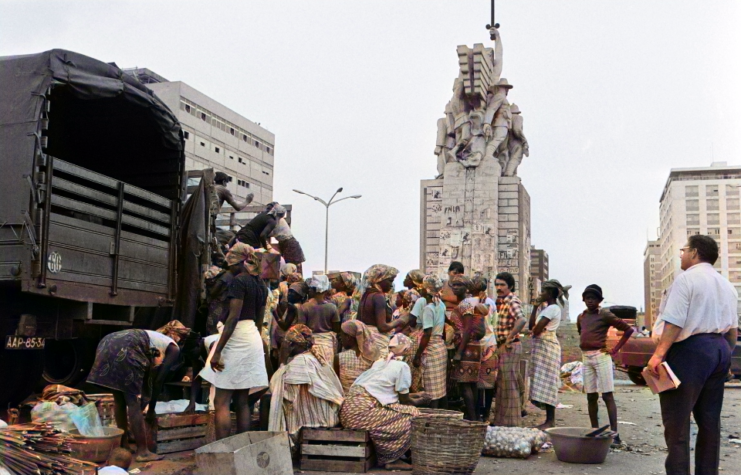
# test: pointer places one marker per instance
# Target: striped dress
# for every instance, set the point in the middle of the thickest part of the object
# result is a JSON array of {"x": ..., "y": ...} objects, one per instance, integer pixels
[{"x": 351, "y": 366}]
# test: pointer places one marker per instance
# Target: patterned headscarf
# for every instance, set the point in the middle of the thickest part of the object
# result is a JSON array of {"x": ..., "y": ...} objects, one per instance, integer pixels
[
  {"x": 364, "y": 337},
  {"x": 241, "y": 252},
  {"x": 411, "y": 296},
  {"x": 433, "y": 284},
  {"x": 350, "y": 281},
  {"x": 213, "y": 271},
  {"x": 300, "y": 288},
  {"x": 277, "y": 209},
  {"x": 288, "y": 269},
  {"x": 295, "y": 277},
  {"x": 563, "y": 291},
  {"x": 375, "y": 274},
  {"x": 174, "y": 327},
  {"x": 320, "y": 283},
  {"x": 400, "y": 345},
  {"x": 417, "y": 277},
  {"x": 301, "y": 336}
]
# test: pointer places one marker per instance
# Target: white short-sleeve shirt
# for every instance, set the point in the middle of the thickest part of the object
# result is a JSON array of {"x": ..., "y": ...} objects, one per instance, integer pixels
[
  {"x": 701, "y": 301},
  {"x": 385, "y": 380},
  {"x": 552, "y": 313},
  {"x": 159, "y": 341}
]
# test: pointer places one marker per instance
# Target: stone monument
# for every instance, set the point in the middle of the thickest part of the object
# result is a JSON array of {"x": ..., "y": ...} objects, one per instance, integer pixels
[{"x": 476, "y": 210}]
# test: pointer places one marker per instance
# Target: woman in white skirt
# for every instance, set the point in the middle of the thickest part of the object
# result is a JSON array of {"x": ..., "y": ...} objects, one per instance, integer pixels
[{"x": 237, "y": 362}]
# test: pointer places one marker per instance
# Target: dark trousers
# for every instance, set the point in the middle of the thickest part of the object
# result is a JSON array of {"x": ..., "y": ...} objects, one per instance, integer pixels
[{"x": 701, "y": 363}]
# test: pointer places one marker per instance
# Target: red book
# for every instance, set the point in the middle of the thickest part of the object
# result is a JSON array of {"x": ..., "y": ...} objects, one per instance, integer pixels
[{"x": 665, "y": 380}]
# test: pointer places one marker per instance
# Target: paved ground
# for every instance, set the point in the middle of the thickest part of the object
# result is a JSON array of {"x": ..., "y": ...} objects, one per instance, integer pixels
[{"x": 645, "y": 442}]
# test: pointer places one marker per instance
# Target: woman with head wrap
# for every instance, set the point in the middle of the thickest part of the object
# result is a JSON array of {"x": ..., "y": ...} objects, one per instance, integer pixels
[
  {"x": 380, "y": 402},
  {"x": 468, "y": 319},
  {"x": 321, "y": 316},
  {"x": 256, "y": 233},
  {"x": 122, "y": 361},
  {"x": 345, "y": 285},
  {"x": 305, "y": 390},
  {"x": 361, "y": 351},
  {"x": 431, "y": 355},
  {"x": 286, "y": 314},
  {"x": 236, "y": 365},
  {"x": 374, "y": 309},
  {"x": 546, "y": 351},
  {"x": 288, "y": 246}
]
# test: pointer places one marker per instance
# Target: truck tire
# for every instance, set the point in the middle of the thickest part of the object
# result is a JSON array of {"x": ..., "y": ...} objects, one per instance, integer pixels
[
  {"x": 67, "y": 362},
  {"x": 634, "y": 374},
  {"x": 19, "y": 372}
]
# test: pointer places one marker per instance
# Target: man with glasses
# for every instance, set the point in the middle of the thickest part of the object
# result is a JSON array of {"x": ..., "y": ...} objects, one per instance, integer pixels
[{"x": 698, "y": 330}]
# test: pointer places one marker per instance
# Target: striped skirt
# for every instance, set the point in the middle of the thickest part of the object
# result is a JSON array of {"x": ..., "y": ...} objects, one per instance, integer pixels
[
  {"x": 417, "y": 384},
  {"x": 545, "y": 369},
  {"x": 390, "y": 427},
  {"x": 351, "y": 366},
  {"x": 434, "y": 368},
  {"x": 508, "y": 408},
  {"x": 380, "y": 340}
]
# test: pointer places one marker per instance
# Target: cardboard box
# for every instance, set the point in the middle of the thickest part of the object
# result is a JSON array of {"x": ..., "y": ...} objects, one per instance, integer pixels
[{"x": 248, "y": 453}]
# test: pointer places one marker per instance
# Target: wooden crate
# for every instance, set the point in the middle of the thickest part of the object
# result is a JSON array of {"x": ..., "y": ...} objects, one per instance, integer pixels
[
  {"x": 327, "y": 450},
  {"x": 179, "y": 432}
]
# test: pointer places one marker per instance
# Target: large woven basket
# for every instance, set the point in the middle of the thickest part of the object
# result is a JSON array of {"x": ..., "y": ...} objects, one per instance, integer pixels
[
  {"x": 444, "y": 413},
  {"x": 445, "y": 446}
]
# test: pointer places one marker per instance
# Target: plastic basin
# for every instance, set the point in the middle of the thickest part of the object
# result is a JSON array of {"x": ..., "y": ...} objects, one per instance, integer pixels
[
  {"x": 572, "y": 446},
  {"x": 95, "y": 449}
]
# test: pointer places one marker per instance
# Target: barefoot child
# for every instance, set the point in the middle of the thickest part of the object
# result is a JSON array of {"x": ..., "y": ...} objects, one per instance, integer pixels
[{"x": 593, "y": 325}]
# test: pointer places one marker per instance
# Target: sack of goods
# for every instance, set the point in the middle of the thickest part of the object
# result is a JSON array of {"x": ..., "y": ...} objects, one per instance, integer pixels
[{"x": 513, "y": 442}]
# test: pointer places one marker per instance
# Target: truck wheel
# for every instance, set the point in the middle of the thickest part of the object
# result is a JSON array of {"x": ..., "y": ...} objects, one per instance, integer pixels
[
  {"x": 19, "y": 372},
  {"x": 67, "y": 362},
  {"x": 636, "y": 376}
]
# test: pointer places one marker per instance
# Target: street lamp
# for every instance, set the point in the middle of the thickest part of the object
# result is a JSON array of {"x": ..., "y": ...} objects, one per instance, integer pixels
[{"x": 327, "y": 204}]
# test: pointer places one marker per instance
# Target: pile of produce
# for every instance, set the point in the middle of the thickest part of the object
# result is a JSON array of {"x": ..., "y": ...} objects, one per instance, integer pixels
[
  {"x": 513, "y": 442},
  {"x": 38, "y": 449}
]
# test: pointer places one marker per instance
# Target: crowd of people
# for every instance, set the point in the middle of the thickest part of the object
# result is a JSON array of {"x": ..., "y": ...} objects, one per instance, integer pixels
[{"x": 342, "y": 351}]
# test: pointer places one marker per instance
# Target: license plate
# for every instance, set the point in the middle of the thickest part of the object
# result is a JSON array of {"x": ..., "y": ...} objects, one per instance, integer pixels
[{"x": 14, "y": 342}]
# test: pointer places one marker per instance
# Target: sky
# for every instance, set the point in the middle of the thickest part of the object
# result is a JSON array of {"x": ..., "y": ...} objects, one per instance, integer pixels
[{"x": 613, "y": 94}]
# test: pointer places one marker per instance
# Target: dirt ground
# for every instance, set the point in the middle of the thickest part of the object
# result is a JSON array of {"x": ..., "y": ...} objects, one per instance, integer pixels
[{"x": 641, "y": 431}]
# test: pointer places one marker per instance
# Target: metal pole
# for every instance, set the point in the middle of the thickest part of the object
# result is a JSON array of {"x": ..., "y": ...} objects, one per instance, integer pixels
[{"x": 326, "y": 239}]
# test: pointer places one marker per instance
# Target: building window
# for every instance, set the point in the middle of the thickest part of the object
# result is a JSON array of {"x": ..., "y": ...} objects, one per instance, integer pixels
[
  {"x": 712, "y": 205},
  {"x": 203, "y": 144},
  {"x": 691, "y": 232},
  {"x": 693, "y": 205},
  {"x": 203, "y": 116},
  {"x": 693, "y": 219},
  {"x": 265, "y": 173},
  {"x": 231, "y": 130},
  {"x": 732, "y": 203},
  {"x": 731, "y": 190},
  {"x": 217, "y": 149},
  {"x": 244, "y": 137},
  {"x": 733, "y": 218},
  {"x": 711, "y": 190},
  {"x": 713, "y": 218},
  {"x": 186, "y": 134},
  {"x": 231, "y": 156},
  {"x": 240, "y": 159},
  {"x": 714, "y": 231},
  {"x": 734, "y": 232},
  {"x": 268, "y": 149},
  {"x": 690, "y": 191},
  {"x": 187, "y": 108}
]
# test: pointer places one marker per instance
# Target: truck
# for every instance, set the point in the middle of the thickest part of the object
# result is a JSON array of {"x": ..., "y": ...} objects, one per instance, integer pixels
[
  {"x": 93, "y": 185},
  {"x": 634, "y": 355}
]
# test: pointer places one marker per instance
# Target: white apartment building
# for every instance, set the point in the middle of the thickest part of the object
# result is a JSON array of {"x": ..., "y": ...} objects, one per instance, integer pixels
[
  {"x": 217, "y": 137},
  {"x": 702, "y": 200},
  {"x": 651, "y": 282}
]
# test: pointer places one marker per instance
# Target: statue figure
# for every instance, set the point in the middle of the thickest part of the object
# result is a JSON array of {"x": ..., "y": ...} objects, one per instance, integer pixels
[
  {"x": 497, "y": 122},
  {"x": 477, "y": 118},
  {"x": 517, "y": 142}
]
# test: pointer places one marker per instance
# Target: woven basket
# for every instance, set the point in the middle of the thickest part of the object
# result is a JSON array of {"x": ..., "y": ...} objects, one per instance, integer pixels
[
  {"x": 444, "y": 413},
  {"x": 444, "y": 446}
]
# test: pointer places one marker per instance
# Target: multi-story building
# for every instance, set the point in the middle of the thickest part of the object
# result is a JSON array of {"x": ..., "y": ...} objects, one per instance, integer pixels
[
  {"x": 651, "y": 282},
  {"x": 217, "y": 137},
  {"x": 538, "y": 264},
  {"x": 702, "y": 200}
]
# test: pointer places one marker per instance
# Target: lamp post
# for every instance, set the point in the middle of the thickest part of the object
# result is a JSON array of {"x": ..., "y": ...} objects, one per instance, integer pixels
[{"x": 327, "y": 204}]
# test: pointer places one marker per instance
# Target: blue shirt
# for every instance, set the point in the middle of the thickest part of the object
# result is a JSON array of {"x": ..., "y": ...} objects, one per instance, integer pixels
[{"x": 434, "y": 317}]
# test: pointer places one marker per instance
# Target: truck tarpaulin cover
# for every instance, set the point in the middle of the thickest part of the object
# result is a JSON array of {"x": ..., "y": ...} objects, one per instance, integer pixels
[{"x": 99, "y": 118}]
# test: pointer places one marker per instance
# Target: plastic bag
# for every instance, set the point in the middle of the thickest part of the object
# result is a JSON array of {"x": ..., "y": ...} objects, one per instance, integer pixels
[
  {"x": 87, "y": 420},
  {"x": 175, "y": 407},
  {"x": 58, "y": 415},
  {"x": 513, "y": 442}
]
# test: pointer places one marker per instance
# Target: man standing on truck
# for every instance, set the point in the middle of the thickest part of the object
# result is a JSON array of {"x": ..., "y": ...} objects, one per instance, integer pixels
[
  {"x": 699, "y": 333},
  {"x": 593, "y": 325}
]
